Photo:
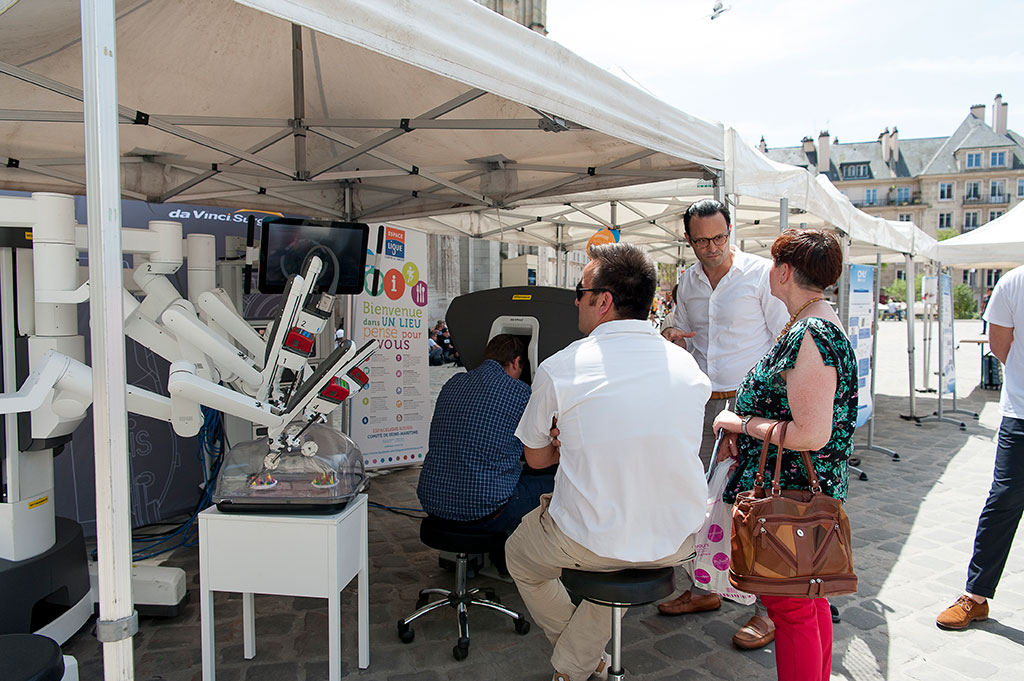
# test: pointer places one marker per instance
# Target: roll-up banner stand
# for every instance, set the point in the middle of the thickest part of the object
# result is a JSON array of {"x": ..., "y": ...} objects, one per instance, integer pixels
[
  {"x": 866, "y": 384},
  {"x": 947, "y": 368},
  {"x": 861, "y": 328},
  {"x": 948, "y": 371},
  {"x": 391, "y": 419}
]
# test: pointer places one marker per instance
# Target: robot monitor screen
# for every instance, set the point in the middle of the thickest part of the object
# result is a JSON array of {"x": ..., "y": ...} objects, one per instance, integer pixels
[{"x": 286, "y": 243}]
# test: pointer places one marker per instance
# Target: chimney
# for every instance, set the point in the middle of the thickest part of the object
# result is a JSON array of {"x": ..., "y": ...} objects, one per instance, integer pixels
[
  {"x": 808, "y": 145},
  {"x": 824, "y": 151},
  {"x": 894, "y": 142},
  {"x": 884, "y": 139},
  {"x": 999, "y": 116},
  {"x": 978, "y": 111},
  {"x": 762, "y": 146}
]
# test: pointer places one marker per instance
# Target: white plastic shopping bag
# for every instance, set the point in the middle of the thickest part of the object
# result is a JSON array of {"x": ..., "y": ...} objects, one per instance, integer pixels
[{"x": 710, "y": 569}]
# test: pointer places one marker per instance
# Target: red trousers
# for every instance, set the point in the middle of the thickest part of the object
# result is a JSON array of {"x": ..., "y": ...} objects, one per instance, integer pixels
[{"x": 803, "y": 637}]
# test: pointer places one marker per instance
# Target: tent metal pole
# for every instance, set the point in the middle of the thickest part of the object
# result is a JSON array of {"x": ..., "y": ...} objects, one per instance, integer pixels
[
  {"x": 299, "y": 104},
  {"x": 348, "y": 305},
  {"x": 911, "y": 294},
  {"x": 938, "y": 414},
  {"x": 558, "y": 255},
  {"x": 783, "y": 215},
  {"x": 871, "y": 446},
  {"x": 118, "y": 621}
]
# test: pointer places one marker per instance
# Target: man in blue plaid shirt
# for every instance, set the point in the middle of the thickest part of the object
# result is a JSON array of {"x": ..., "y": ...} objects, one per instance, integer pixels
[{"x": 472, "y": 473}]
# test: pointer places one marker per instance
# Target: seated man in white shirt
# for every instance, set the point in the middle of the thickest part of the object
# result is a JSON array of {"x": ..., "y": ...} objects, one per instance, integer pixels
[{"x": 628, "y": 492}]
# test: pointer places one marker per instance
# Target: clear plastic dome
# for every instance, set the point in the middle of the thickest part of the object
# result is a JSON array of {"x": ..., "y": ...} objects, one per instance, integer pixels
[{"x": 320, "y": 475}]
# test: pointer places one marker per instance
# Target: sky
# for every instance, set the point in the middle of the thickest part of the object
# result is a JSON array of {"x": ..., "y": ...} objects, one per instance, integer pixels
[{"x": 787, "y": 69}]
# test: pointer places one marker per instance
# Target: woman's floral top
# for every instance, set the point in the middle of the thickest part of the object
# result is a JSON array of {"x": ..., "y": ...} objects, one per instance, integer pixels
[{"x": 763, "y": 393}]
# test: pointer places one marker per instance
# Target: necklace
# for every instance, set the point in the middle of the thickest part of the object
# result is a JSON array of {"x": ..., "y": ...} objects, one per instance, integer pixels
[{"x": 796, "y": 314}]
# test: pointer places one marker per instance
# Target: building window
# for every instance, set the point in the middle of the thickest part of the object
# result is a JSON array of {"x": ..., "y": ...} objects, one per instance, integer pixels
[
  {"x": 870, "y": 197},
  {"x": 997, "y": 159},
  {"x": 945, "y": 220},
  {"x": 945, "y": 191},
  {"x": 906, "y": 217},
  {"x": 902, "y": 194},
  {"x": 901, "y": 275},
  {"x": 991, "y": 277},
  {"x": 974, "y": 159},
  {"x": 997, "y": 190},
  {"x": 1020, "y": 187},
  {"x": 970, "y": 277},
  {"x": 970, "y": 220},
  {"x": 972, "y": 191},
  {"x": 856, "y": 171},
  {"x": 993, "y": 214}
]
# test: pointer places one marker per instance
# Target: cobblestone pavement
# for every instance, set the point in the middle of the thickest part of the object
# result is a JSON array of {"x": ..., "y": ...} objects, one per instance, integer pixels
[{"x": 913, "y": 526}]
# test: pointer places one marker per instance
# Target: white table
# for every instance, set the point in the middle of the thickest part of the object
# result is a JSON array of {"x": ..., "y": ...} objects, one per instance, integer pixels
[{"x": 287, "y": 555}]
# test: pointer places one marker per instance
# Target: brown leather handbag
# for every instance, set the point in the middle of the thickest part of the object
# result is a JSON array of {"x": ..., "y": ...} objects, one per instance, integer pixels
[{"x": 791, "y": 542}]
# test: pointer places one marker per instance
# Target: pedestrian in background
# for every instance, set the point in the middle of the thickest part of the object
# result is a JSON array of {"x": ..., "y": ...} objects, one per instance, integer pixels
[{"x": 999, "y": 520}]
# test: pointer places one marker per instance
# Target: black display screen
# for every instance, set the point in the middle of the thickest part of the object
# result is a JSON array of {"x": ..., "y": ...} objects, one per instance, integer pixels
[{"x": 286, "y": 243}]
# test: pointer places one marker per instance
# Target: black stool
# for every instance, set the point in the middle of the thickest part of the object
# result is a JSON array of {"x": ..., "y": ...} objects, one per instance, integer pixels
[
  {"x": 29, "y": 657},
  {"x": 446, "y": 536},
  {"x": 619, "y": 590}
]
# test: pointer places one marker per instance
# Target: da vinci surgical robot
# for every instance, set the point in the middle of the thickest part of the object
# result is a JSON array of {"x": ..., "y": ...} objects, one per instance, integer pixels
[{"x": 216, "y": 360}]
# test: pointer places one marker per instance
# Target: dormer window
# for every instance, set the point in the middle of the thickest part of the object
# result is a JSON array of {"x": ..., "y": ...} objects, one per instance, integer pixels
[
  {"x": 974, "y": 159},
  {"x": 856, "y": 171},
  {"x": 997, "y": 159}
]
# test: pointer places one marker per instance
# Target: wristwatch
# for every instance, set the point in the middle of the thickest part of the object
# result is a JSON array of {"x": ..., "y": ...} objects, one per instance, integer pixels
[{"x": 746, "y": 420}]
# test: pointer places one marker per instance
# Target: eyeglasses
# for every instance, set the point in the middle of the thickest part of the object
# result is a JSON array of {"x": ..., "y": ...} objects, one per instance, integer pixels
[
  {"x": 580, "y": 291},
  {"x": 702, "y": 242}
]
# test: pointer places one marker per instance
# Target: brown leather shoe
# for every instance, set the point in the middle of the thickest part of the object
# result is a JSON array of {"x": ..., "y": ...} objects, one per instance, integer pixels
[
  {"x": 687, "y": 603},
  {"x": 962, "y": 613},
  {"x": 758, "y": 632}
]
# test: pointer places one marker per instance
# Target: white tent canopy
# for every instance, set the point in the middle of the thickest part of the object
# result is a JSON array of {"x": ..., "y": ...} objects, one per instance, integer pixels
[
  {"x": 651, "y": 214},
  {"x": 374, "y": 109},
  {"x": 997, "y": 244}
]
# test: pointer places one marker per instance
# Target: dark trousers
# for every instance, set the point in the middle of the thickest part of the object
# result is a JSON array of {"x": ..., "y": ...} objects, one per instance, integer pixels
[
  {"x": 525, "y": 497},
  {"x": 1001, "y": 515}
]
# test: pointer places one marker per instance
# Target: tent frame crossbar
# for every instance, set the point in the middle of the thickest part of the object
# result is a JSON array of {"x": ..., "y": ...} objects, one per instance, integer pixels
[
  {"x": 216, "y": 169},
  {"x": 358, "y": 149},
  {"x": 404, "y": 124},
  {"x": 141, "y": 118}
]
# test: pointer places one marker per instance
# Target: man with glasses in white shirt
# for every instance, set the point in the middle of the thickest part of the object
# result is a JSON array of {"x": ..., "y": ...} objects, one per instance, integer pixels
[{"x": 728, "y": 319}]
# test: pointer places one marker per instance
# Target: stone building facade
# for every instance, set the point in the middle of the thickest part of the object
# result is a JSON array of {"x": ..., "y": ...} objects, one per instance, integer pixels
[{"x": 955, "y": 183}]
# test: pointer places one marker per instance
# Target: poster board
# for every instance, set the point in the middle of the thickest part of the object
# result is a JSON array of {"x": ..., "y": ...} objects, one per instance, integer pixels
[
  {"x": 948, "y": 383},
  {"x": 861, "y": 328},
  {"x": 391, "y": 417}
]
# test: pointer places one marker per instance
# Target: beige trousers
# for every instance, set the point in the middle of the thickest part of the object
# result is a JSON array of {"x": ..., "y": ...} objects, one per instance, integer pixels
[{"x": 536, "y": 553}]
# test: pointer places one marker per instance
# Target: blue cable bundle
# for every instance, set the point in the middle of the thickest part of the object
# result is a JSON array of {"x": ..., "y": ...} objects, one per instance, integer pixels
[{"x": 211, "y": 448}]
